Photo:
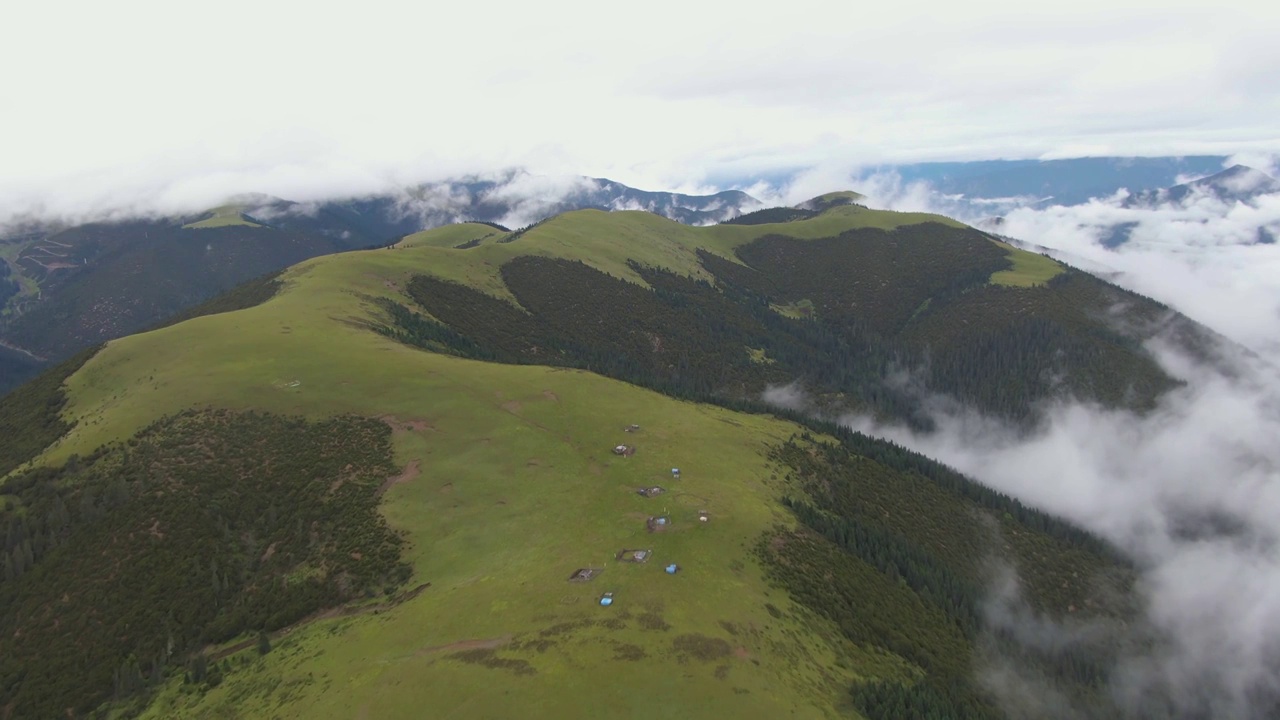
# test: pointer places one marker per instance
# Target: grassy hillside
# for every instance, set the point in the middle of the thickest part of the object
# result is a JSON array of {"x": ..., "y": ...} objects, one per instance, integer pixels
[
  {"x": 223, "y": 216},
  {"x": 499, "y": 481},
  {"x": 515, "y": 488},
  {"x": 885, "y": 293},
  {"x": 98, "y": 282}
]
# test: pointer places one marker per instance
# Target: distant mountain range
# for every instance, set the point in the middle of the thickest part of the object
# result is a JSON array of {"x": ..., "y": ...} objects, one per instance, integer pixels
[
  {"x": 1238, "y": 183},
  {"x": 64, "y": 288}
]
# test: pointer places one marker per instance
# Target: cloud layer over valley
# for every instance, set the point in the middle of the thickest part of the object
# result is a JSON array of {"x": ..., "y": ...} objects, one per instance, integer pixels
[
  {"x": 1190, "y": 492},
  {"x": 145, "y": 105}
]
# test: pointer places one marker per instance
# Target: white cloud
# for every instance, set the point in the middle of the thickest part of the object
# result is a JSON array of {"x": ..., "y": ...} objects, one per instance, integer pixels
[
  {"x": 1156, "y": 486},
  {"x": 153, "y": 105},
  {"x": 1190, "y": 491}
]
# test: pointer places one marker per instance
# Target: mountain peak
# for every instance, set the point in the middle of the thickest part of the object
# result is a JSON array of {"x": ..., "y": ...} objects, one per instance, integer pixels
[
  {"x": 830, "y": 200},
  {"x": 1238, "y": 183}
]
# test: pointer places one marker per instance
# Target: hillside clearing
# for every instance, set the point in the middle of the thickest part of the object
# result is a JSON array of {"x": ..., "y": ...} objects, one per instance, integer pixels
[
  {"x": 1029, "y": 269},
  {"x": 224, "y": 216}
]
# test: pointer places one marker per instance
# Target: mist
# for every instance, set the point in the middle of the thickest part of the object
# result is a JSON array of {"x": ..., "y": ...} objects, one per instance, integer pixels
[{"x": 1190, "y": 492}]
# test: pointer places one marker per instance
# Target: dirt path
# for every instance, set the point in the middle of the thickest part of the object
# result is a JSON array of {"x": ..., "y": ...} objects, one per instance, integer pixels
[
  {"x": 490, "y": 644},
  {"x": 17, "y": 349},
  {"x": 409, "y": 473},
  {"x": 399, "y": 426}
]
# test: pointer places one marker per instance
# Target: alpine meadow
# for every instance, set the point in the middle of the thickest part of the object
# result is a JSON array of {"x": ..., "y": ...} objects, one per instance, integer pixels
[
  {"x": 566, "y": 360},
  {"x": 405, "y": 480}
]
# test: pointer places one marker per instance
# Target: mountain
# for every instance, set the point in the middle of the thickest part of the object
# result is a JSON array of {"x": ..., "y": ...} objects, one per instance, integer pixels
[
  {"x": 1231, "y": 207},
  {"x": 518, "y": 199},
  {"x": 388, "y": 483},
  {"x": 66, "y": 288},
  {"x": 1238, "y": 183}
]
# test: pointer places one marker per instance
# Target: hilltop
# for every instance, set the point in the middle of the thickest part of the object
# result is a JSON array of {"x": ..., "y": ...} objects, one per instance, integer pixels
[
  {"x": 66, "y": 288},
  {"x": 361, "y": 488}
]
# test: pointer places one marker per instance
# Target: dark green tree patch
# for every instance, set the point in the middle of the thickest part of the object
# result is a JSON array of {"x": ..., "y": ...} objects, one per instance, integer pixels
[
  {"x": 203, "y": 527},
  {"x": 30, "y": 416},
  {"x": 898, "y": 553}
]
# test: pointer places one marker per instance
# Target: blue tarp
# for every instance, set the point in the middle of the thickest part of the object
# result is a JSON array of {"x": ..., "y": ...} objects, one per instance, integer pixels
[
  {"x": 671, "y": 569},
  {"x": 606, "y": 601}
]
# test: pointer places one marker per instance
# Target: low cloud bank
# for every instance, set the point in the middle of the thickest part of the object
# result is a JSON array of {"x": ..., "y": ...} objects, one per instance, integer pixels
[{"x": 1190, "y": 492}]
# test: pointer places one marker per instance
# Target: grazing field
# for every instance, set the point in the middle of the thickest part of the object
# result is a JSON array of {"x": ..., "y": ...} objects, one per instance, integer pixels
[
  {"x": 517, "y": 487},
  {"x": 453, "y": 236},
  {"x": 1029, "y": 269},
  {"x": 224, "y": 216},
  {"x": 507, "y": 484}
]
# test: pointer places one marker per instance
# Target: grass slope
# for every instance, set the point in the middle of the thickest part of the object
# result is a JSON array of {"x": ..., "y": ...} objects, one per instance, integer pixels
[
  {"x": 115, "y": 279},
  {"x": 452, "y": 236},
  {"x": 1029, "y": 269},
  {"x": 509, "y": 485},
  {"x": 225, "y": 216},
  {"x": 607, "y": 241},
  {"x": 517, "y": 488}
]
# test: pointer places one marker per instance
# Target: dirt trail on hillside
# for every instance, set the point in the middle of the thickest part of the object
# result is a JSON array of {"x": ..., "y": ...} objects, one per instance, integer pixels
[
  {"x": 409, "y": 473},
  {"x": 490, "y": 644}
]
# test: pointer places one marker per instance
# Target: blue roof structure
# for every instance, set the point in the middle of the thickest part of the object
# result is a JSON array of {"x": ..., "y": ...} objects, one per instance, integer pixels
[
  {"x": 606, "y": 601},
  {"x": 672, "y": 568}
]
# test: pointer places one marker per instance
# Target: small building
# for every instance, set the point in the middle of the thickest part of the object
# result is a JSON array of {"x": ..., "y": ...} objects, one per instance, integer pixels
[
  {"x": 672, "y": 569},
  {"x": 584, "y": 574},
  {"x": 606, "y": 599},
  {"x": 657, "y": 523},
  {"x": 634, "y": 556},
  {"x": 624, "y": 450},
  {"x": 675, "y": 472}
]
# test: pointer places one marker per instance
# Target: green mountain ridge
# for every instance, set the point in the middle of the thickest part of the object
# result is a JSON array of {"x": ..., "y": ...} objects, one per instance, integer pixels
[
  {"x": 65, "y": 288},
  {"x": 470, "y": 385}
]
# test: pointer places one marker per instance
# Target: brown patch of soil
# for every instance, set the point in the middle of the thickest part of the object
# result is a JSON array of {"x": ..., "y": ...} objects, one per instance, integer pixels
[
  {"x": 271, "y": 550},
  {"x": 399, "y": 426},
  {"x": 463, "y": 645},
  {"x": 409, "y": 473},
  {"x": 550, "y": 396}
]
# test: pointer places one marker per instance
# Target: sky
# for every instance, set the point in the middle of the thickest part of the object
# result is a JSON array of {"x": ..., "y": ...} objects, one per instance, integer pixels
[{"x": 157, "y": 105}]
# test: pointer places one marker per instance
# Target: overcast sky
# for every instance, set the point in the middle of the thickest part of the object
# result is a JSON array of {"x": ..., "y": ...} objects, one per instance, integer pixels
[{"x": 109, "y": 103}]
